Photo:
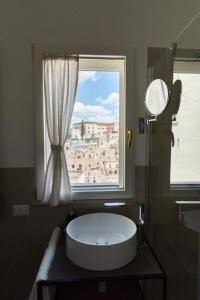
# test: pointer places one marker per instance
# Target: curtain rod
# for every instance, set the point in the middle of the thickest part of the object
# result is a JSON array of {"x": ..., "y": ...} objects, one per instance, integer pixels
[
  {"x": 48, "y": 55},
  {"x": 82, "y": 56}
]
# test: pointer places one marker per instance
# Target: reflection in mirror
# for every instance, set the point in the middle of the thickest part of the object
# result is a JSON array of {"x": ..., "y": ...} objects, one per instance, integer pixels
[{"x": 156, "y": 99}]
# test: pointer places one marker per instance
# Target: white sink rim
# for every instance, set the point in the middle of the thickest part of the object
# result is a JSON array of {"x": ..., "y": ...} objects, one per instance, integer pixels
[
  {"x": 102, "y": 214},
  {"x": 115, "y": 249}
]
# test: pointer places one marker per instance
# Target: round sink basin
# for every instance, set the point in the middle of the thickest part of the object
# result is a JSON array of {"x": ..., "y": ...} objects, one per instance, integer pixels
[{"x": 101, "y": 241}]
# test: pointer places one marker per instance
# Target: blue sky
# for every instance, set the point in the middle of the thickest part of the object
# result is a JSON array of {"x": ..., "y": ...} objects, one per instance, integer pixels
[{"x": 97, "y": 97}]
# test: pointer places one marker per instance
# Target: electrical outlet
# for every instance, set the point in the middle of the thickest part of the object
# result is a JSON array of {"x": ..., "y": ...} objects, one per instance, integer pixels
[{"x": 20, "y": 210}]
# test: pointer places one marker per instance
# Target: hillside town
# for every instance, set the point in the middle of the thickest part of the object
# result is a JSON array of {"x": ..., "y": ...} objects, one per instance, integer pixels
[{"x": 92, "y": 152}]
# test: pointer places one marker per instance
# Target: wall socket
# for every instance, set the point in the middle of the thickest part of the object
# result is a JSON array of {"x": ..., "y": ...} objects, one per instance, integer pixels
[{"x": 20, "y": 210}]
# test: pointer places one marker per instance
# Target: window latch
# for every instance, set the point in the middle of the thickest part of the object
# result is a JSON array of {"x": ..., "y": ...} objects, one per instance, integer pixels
[{"x": 130, "y": 136}]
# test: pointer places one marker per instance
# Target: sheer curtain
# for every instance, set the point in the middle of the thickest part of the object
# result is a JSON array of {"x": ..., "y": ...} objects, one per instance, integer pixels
[{"x": 60, "y": 77}]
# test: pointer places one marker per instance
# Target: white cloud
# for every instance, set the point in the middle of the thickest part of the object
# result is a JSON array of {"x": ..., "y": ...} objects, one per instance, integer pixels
[
  {"x": 89, "y": 110},
  {"x": 91, "y": 113},
  {"x": 87, "y": 75},
  {"x": 111, "y": 100}
]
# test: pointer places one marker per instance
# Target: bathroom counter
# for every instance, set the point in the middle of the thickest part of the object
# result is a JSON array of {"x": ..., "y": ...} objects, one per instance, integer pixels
[{"x": 62, "y": 271}]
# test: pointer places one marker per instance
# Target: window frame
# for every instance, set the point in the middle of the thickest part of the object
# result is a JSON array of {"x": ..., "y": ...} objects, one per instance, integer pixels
[
  {"x": 177, "y": 191},
  {"x": 128, "y": 191},
  {"x": 186, "y": 67},
  {"x": 109, "y": 64}
]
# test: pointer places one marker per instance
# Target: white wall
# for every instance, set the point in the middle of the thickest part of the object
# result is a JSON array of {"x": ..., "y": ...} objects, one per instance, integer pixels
[{"x": 90, "y": 23}]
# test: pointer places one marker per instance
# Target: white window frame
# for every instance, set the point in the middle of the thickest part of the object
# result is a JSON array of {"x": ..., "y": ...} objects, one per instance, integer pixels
[
  {"x": 186, "y": 67},
  {"x": 126, "y": 190},
  {"x": 183, "y": 190},
  {"x": 109, "y": 64}
]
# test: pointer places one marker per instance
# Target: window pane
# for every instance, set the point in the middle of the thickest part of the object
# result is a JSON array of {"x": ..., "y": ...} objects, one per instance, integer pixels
[
  {"x": 92, "y": 147},
  {"x": 185, "y": 155}
]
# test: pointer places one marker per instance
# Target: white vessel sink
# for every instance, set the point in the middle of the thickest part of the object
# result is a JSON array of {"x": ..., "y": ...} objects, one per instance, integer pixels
[
  {"x": 192, "y": 220},
  {"x": 101, "y": 241}
]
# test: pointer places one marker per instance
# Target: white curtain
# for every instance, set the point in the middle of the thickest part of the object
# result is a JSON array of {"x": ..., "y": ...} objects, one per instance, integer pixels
[{"x": 60, "y": 77}]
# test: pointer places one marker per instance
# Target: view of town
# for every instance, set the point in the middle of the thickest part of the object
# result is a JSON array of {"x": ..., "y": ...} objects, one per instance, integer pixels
[
  {"x": 92, "y": 145},
  {"x": 92, "y": 151}
]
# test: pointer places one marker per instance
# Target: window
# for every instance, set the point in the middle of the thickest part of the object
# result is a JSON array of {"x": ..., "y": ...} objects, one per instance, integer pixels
[
  {"x": 185, "y": 158},
  {"x": 99, "y": 104},
  {"x": 97, "y": 134}
]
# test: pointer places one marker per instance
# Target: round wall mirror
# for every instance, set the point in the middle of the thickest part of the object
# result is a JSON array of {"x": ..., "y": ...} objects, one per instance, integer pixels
[{"x": 157, "y": 97}]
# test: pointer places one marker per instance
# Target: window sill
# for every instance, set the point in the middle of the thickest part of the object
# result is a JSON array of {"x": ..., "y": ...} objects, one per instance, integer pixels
[
  {"x": 184, "y": 187},
  {"x": 177, "y": 191},
  {"x": 100, "y": 194},
  {"x": 95, "y": 202}
]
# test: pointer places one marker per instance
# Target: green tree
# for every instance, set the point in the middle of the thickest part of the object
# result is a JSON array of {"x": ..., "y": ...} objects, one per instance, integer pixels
[{"x": 82, "y": 129}]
